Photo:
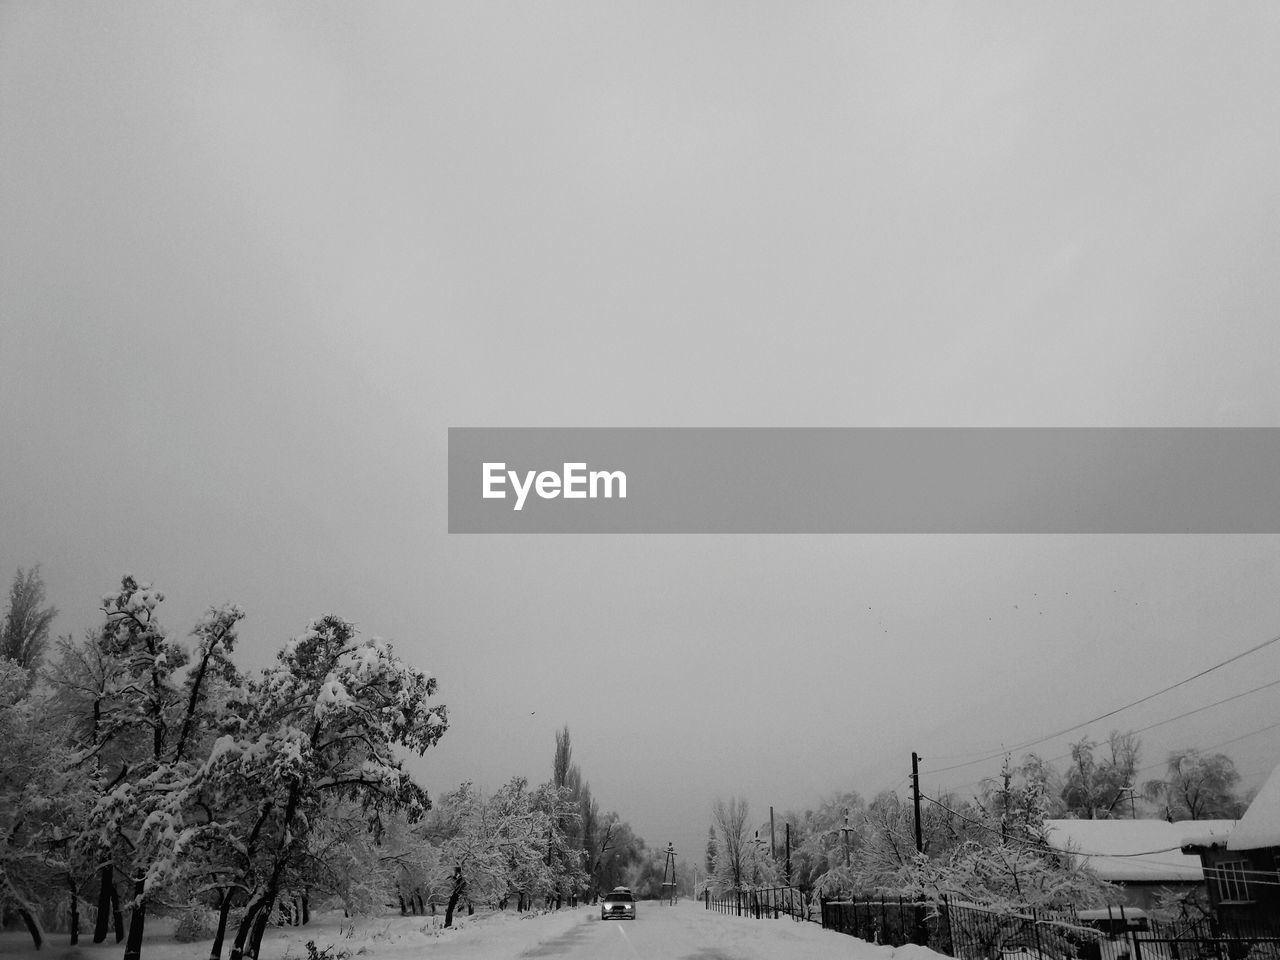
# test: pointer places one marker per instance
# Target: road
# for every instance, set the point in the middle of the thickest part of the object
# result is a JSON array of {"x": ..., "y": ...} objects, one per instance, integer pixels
[
  {"x": 688, "y": 932},
  {"x": 684, "y": 931}
]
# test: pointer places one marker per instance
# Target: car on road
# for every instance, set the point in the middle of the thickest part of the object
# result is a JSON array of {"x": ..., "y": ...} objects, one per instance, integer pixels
[{"x": 619, "y": 903}]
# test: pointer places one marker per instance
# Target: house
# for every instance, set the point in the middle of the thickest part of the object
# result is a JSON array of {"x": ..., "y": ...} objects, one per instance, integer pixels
[
  {"x": 1145, "y": 858},
  {"x": 1242, "y": 864}
]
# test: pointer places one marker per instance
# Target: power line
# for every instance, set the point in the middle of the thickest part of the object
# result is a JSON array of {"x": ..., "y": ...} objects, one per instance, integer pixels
[
  {"x": 1040, "y": 846},
  {"x": 1150, "y": 766},
  {"x": 1208, "y": 871},
  {"x": 1215, "y": 703},
  {"x": 1112, "y": 713},
  {"x": 1224, "y": 743}
]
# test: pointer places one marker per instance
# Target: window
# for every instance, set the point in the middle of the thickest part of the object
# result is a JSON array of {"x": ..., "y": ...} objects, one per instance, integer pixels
[{"x": 1232, "y": 886}]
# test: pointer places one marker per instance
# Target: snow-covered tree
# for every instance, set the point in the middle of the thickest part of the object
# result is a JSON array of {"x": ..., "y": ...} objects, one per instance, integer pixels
[
  {"x": 825, "y": 839},
  {"x": 1197, "y": 786},
  {"x": 139, "y": 709},
  {"x": 24, "y": 765},
  {"x": 994, "y": 854},
  {"x": 1102, "y": 787},
  {"x": 83, "y": 679},
  {"x": 203, "y": 785},
  {"x": 321, "y": 725},
  {"x": 489, "y": 849},
  {"x": 566, "y": 870}
]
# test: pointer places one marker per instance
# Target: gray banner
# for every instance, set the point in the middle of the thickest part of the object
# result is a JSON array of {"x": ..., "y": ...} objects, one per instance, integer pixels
[{"x": 864, "y": 480}]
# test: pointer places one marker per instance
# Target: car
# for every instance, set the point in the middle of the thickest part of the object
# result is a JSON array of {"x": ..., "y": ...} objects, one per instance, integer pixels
[{"x": 618, "y": 903}]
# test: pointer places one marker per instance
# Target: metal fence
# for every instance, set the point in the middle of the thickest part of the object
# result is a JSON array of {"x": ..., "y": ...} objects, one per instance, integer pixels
[
  {"x": 761, "y": 903},
  {"x": 969, "y": 932}
]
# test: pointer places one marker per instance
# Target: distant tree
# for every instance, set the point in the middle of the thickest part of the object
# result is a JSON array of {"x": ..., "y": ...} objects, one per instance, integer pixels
[
  {"x": 25, "y": 633},
  {"x": 1035, "y": 769},
  {"x": 620, "y": 851},
  {"x": 1197, "y": 786},
  {"x": 589, "y": 827},
  {"x": 648, "y": 878},
  {"x": 1097, "y": 788},
  {"x": 563, "y": 759},
  {"x": 570, "y": 827},
  {"x": 711, "y": 851},
  {"x": 820, "y": 838}
]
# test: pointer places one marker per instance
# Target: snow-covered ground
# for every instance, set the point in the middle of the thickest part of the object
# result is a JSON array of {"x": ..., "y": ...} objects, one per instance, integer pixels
[{"x": 683, "y": 932}]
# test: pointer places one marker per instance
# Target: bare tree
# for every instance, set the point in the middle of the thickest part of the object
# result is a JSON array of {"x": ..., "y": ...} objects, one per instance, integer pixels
[
  {"x": 731, "y": 821},
  {"x": 25, "y": 632}
]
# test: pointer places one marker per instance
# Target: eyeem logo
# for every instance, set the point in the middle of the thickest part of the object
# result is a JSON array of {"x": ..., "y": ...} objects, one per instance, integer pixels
[{"x": 574, "y": 483}]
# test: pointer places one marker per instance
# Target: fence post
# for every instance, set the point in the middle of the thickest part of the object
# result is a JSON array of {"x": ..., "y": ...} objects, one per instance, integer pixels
[
  {"x": 1035, "y": 928},
  {"x": 951, "y": 937}
]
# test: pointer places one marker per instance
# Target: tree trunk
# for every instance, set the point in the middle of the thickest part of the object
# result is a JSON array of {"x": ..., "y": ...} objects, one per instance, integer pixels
[
  {"x": 33, "y": 926},
  {"x": 454, "y": 894},
  {"x": 116, "y": 913},
  {"x": 259, "y": 928},
  {"x": 103, "y": 918},
  {"x": 242, "y": 932},
  {"x": 224, "y": 911},
  {"x": 24, "y": 910},
  {"x": 306, "y": 909},
  {"x": 137, "y": 919},
  {"x": 75, "y": 911}
]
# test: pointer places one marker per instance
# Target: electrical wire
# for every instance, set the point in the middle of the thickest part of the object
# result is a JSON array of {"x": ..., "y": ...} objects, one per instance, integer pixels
[
  {"x": 1112, "y": 713},
  {"x": 1039, "y": 846},
  {"x": 1214, "y": 871},
  {"x": 1224, "y": 743},
  {"x": 1209, "y": 871},
  {"x": 1162, "y": 763}
]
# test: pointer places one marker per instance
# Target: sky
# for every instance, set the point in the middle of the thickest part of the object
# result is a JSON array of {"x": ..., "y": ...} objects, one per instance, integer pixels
[{"x": 256, "y": 259}]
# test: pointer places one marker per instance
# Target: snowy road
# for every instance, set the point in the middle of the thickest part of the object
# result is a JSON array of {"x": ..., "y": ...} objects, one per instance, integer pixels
[
  {"x": 685, "y": 931},
  {"x": 688, "y": 932}
]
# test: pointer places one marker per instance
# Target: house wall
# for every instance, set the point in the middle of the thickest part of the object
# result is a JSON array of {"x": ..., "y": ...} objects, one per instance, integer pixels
[{"x": 1244, "y": 885}]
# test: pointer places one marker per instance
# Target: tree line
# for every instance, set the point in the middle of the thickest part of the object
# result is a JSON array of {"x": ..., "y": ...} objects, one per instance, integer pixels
[
  {"x": 989, "y": 848},
  {"x": 140, "y": 774}
]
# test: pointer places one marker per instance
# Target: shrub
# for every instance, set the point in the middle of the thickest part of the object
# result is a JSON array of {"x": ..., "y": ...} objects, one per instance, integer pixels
[{"x": 198, "y": 923}]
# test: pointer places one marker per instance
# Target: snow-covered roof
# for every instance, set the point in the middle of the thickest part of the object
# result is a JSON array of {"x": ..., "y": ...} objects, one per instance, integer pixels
[
  {"x": 1147, "y": 851},
  {"x": 1260, "y": 825},
  {"x": 1207, "y": 833}
]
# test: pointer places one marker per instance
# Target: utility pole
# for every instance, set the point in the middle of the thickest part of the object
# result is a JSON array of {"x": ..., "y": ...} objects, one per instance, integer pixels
[
  {"x": 773, "y": 849},
  {"x": 915, "y": 791},
  {"x": 844, "y": 832},
  {"x": 669, "y": 870},
  {"x": 788, "y": 853}
]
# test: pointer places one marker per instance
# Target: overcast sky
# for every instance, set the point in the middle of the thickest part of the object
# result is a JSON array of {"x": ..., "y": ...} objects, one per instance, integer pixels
[{"x": 256, "y": 259}]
